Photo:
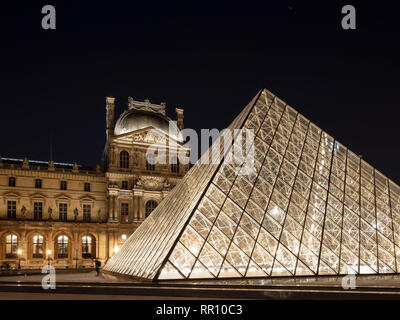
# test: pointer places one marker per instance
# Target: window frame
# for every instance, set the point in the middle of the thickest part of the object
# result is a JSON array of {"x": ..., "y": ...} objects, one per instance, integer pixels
[
  {"x": 12, "y": 181},
  {"x": 64, "y": 246},
  {"x": 124, "y": 158},
  {"x": 124, "y": 213},
  {"x": 87, "y": 212},
  {"x": 38, "y": 183},
  {"x": 63, "y": 211},
  {"x": 88, "y": 247},
  {"x": 150, "y": 205},
  {"x": 13, "y": 246},
  {"x": 87, "y": 187},
  {"x": 11, "y": 209},
  {"x": 63, "y": 185},
  {"x": 37, "y": 244},
  {"x": 37, "y": 210}
]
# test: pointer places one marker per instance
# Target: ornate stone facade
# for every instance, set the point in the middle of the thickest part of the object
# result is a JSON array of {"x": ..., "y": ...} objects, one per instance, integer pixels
[{"x": 68, "y": 215}]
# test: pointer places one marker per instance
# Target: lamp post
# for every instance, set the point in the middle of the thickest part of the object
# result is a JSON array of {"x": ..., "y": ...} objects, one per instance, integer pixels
[
  {"x": 76, "y": 258},
  {"x": 19, "y": 252},
  {"x": 48, "y": 256}
]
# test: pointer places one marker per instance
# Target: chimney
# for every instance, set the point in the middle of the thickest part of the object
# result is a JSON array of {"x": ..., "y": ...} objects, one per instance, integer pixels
[
  {"x": 110, "y": 108},
  {"x": 179, "y": 118}
]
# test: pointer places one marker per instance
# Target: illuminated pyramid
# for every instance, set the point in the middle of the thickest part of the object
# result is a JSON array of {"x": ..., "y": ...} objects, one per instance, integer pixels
[{"x": 309, "y": 207}]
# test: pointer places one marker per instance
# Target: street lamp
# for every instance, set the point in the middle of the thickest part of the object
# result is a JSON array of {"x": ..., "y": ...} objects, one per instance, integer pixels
[
  {"x": 48, "y": 256},
  {"x": 116, "y": 249},
  {"x": 19, "y": 252}
]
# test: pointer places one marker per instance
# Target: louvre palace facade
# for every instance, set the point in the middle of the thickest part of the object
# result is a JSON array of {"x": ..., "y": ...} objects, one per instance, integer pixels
[{"x": 67, "y": 214}]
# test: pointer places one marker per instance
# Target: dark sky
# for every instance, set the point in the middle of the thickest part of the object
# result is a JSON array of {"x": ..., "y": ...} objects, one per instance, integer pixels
[{"x": 209, "y": 60}]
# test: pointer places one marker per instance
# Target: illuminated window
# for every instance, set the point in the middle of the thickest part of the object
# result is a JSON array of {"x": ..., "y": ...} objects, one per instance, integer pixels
[
  {"x": 150, "y": 206},
  {"x": 37, "y": 247},
  {"x": 11, "y": 181},
  {"x": 62, "y": 247},
  {"x": 63, "y": 210},
  {"x": 87, "y": 212},
  {"x": 124, "y": 213},
  {"x": 37, "y": 210},
  {"x": 124, "y": 159},
  {"x": 38, "y": 183},
  {"x": 11, "y": 246},
  {"x": 11, "y": 209},
  {"x": 88, "y": 247}
]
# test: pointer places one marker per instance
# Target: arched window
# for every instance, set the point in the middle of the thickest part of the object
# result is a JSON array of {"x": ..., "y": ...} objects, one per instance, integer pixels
[
  {"x": 124, "y": 159},
  {"x": 62, "y": 247},
  {"x": 37, "y": 246},
  {"x": 11, "y": 246},
  {"x": 150, "y": 206},
  {"x": 88, "y": 247}
]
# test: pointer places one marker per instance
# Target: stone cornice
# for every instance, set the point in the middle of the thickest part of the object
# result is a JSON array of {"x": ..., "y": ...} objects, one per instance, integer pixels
[{"x": 52, "y": 174}]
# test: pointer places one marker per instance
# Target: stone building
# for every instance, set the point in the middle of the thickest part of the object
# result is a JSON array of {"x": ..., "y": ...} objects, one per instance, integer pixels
[{"x": 67, "y": 214}]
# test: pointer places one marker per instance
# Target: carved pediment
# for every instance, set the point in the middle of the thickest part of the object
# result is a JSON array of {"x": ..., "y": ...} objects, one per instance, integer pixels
[
  {"x": 152, "y": 183},
  {"x": 147, "y": 135},
  {"x": 11, "y": 195}
]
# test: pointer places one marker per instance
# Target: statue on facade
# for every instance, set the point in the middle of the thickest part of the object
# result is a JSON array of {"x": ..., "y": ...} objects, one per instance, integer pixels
[
  {"x": 50, "y": 212},
  {"x": 99, "y": 215},
  {"x": 76, "y": 212},
  {"x": 23, "y": 212}
]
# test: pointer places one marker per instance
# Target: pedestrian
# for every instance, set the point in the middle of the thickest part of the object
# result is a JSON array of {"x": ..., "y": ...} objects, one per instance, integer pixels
[{"x": 97, "y": 265}]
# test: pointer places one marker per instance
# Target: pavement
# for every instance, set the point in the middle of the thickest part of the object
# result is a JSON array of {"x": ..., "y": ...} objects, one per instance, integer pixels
[{"x": 89, "y": 286}]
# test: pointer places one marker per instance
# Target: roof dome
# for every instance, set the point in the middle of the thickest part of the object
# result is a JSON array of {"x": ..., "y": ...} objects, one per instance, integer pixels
[{"x": 139, "y": 118}]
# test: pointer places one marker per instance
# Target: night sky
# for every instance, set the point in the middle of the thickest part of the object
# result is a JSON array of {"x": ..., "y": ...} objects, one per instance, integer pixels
[{"x": 209, "y": 60}]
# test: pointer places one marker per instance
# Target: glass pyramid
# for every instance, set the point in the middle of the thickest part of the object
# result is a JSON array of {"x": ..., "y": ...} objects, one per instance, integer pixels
[{"x": 309, "y": 207}]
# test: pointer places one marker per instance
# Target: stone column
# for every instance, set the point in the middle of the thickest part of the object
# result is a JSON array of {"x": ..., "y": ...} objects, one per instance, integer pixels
[
  {"x": 110, "y": 207},
  {"x": 115, "y": 211},
  {"x": 135, "y": 208},
  {"x": 141, "y": 209}
]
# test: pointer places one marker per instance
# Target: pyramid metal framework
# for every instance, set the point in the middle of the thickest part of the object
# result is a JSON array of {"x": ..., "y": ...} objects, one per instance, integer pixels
[{"x": 310, "y": 207}]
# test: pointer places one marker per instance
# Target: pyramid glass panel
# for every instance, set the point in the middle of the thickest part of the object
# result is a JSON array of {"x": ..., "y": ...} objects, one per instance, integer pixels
[{"x": 308, "y": 207}]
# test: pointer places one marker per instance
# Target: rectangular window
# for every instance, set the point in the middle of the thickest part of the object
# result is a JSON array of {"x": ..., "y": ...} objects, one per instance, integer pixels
[
  {"x": 125, "y": 185},
  {"x": 38, "y": 249},
  {"x": 150, "y": 165},
  {"x": 86, "y": 212},
  {"x": 63, "y": 211},
  {"x": 63, "y": 185},
  {"x": 87, "y": 186},
  {"x": 175, "y": 166},
  {"x": 124, "y": 213},
  {"x": 11, "y": 181},
  {"x": 38, "y": 183},
  {"x": 11, "y": 246},
  {"x": 37, "y": 210},
  {"x": 11, "y": 209}
]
